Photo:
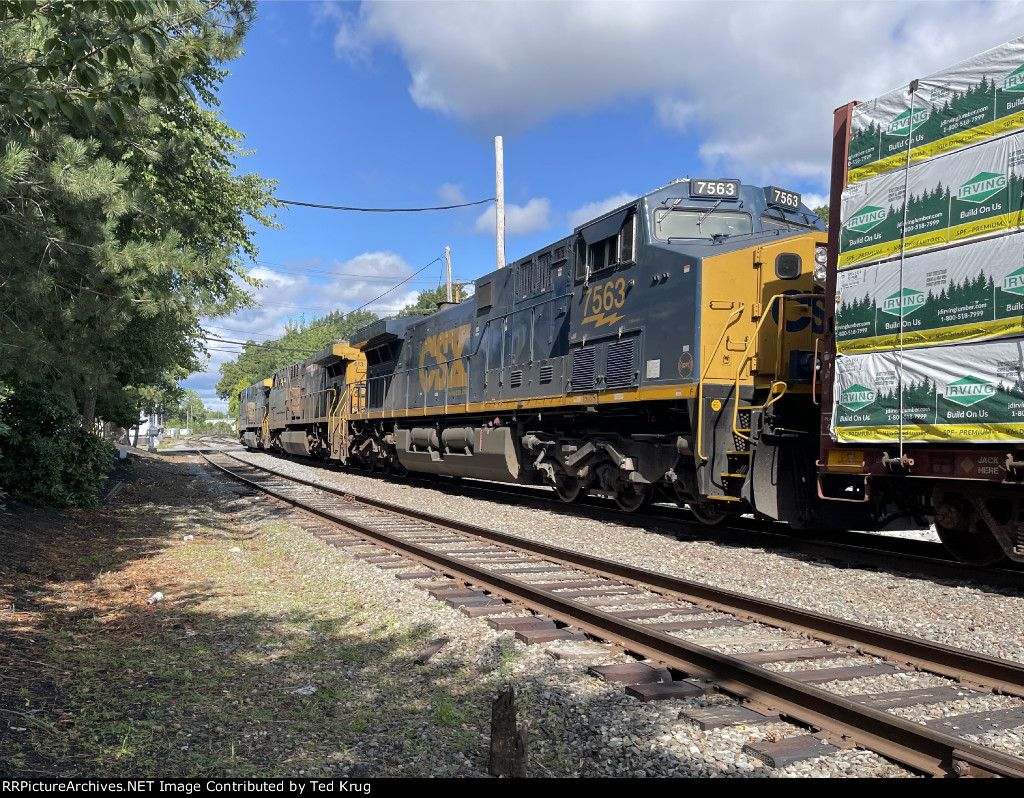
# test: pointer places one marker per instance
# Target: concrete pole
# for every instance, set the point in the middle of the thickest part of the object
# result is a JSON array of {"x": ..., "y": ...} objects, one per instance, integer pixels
[
  {"x": 448, "y": 270},
  {"x": 499, "y": 204}
]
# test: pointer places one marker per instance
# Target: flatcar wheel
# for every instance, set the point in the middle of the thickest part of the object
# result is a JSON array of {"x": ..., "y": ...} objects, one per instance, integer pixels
[
  {"x": 975, "y": 545},
  {"x": 707, "y": 513},
  {"x": 632, "y": 499},
  {"x": 570, "y": 489}
]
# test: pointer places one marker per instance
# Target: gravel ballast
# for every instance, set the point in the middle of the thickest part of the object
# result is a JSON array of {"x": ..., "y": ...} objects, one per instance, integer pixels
[{"x": 582, "y": 726}]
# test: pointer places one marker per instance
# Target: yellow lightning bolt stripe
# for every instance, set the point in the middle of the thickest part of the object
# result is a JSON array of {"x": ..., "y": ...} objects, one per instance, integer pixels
[{"x": 601, "y": 320}]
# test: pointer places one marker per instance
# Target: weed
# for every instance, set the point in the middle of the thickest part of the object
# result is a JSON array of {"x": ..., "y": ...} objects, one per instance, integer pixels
[{"x": 445, "y": 714}]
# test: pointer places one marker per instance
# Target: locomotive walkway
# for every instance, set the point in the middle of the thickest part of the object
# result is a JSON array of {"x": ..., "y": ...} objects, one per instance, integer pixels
[{"x": 544, "y": 593}]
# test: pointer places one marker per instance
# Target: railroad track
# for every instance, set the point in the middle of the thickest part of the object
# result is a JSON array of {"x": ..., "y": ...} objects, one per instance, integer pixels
[
  {"x": 921, "y": 558},
  {"x": 781, "y": 657}
]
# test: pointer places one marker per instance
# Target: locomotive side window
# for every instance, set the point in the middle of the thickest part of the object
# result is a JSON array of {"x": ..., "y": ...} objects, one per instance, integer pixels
[
  {"x": 627, "y": 237},
  {"x": 614, "y": 249},
  {"x": 774, "y": 220}
]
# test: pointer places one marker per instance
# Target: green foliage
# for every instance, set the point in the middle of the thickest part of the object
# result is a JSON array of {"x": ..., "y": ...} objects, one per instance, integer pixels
[
  {"x": 823, "y": 214},
  {"x": 187, "y": 412},
  {"x": 45, "y": 456},
  {"x": 426, "y": 302},
  {"x": 123, "y": 218}
]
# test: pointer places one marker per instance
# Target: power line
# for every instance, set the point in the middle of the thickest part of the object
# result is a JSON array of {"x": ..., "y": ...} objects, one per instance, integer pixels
[
  {"x": 385, "y": 210},
  {"x": 269, "y": 345},
  {"x": 248, "y": 345}
]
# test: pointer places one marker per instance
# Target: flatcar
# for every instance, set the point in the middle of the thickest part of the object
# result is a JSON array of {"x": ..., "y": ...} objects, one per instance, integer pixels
[{"x": 664, "y": 349}]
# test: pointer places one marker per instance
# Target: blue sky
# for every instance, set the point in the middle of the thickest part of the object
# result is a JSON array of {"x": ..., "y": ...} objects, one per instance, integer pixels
[{"x": 393, "y": 104}]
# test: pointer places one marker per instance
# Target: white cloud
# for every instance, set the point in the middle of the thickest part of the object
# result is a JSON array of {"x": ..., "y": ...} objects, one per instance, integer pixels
[
  {"x": 533, "y": 217},
  {"x": 757, "y": 82},
  {"x": 594, "y": 209},
  {"x": 451, "y": 194},
  {"x": 813, "y": 201}
]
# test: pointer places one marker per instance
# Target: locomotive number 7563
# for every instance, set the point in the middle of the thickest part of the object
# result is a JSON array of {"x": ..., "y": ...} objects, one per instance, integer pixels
[{"x": 607, "y": 296}]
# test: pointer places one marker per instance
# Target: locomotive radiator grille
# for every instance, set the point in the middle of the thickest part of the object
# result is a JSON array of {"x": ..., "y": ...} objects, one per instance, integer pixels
[
  {"x": 547, "y": 373},
  {"x": 516, "y": 379},
  {"x": 620, "y": 364},
  {"x": 583, "y": 363}
]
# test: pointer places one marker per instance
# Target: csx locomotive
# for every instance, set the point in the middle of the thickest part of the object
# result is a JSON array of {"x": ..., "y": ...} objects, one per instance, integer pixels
[{"x": 665, "y": 349}]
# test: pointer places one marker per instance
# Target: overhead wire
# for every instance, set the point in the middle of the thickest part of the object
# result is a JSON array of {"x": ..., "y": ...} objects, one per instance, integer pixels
[
  {"x": 267, "y": 345},
  {"x": 385, "y": 210}
]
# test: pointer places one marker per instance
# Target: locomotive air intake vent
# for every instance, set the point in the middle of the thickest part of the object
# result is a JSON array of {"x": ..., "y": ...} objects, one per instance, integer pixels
[
  {"x": 620, "y": 364},
  {"x": 583, "y": 369},
  {"x": 547, "y": 373}
]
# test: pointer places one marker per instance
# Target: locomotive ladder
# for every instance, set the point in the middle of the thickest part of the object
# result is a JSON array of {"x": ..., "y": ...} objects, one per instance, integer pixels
[
  {"x": 778, "y": 387},
  {"x": 737, "y": 460}
]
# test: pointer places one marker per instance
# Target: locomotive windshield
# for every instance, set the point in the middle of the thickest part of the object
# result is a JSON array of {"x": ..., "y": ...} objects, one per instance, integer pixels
[
  {"x": 698, "y": 223},
  {"x": 774, "y": 220}
]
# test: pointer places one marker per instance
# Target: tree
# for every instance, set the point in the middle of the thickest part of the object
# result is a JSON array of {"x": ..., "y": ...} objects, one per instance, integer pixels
[
  {"x": 427, "y": 302},
  {"x": 122, "y": 219},
  {"x": 188, "y": 412},
  {"x": 822, "y": 213},
  {"x": 126, "y": 223}
]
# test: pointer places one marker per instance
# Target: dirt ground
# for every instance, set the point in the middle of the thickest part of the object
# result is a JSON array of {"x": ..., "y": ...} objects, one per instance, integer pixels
[{"x": 216, "y": 680}]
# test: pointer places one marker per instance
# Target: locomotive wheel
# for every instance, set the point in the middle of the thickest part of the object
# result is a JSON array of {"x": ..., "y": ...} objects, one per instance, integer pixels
[
  {"x": 975, "y": 545},
  {"x": 570, "y": 489},
  {"x": 632, "y": 499},
  {"x": 708, "y": 513}
]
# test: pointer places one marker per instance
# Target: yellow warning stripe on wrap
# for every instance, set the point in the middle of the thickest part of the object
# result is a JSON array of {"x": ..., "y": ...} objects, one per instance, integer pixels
[{"x": 960, "y": 433}]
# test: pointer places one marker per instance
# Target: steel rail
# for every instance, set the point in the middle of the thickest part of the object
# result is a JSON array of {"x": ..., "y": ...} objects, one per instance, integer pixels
[
  {"x": 912, "y": 744},
  {"x": 980, "y": 670},
  {"x": 920, "y": 558}
]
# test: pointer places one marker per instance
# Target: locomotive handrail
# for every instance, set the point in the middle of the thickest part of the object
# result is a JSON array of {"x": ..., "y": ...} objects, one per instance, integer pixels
[
  {"x": 338, "y": 411},
  {"x": 700, "y": 382},
  {"x": 313, "y": 395},
  {"x": 773, "y": 398}
]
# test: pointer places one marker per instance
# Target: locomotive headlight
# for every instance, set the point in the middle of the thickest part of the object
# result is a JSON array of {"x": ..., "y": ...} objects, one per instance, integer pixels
[{"x": 820, "y": 259}]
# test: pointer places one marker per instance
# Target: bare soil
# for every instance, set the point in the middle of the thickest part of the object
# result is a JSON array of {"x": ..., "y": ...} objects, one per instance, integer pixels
[{"x": 248, "y": 667}]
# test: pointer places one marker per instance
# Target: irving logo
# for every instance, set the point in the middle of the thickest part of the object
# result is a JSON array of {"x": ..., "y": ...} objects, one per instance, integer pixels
[
  {"x": 856, "y": 397},
  {"x": 1015, "y": 80},
  {"x": 980, "y": 187},
  {"x": 904, "y": 123},
  {"x": 1013, "y": 283},
  {"x": 912, "y": 300},
  {"x": 867, "y": 217},
  {"x": 969, "y": 391}
]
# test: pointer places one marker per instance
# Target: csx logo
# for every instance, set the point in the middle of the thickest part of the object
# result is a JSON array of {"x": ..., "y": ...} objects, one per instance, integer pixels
[
  {"x": 441, "y": 361},
  {"x": 816, "y": 320}
]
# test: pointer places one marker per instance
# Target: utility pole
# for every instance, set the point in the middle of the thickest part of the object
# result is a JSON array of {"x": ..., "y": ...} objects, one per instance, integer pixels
[
  {"x": 448, "y": 270},
  {"x": 499, "y": 203}
]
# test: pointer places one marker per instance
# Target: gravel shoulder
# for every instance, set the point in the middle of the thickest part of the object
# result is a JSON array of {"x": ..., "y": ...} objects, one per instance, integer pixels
[{"x": 274, "y": 654}]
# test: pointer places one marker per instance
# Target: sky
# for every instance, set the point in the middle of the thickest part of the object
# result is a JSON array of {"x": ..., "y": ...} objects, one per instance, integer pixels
[{"x": 389, "y": 104}]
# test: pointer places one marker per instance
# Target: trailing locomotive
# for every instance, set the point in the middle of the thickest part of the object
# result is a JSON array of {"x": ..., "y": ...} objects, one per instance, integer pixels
[{"x": 664, "y": 349}]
